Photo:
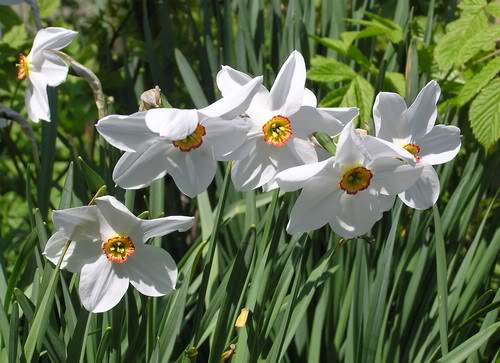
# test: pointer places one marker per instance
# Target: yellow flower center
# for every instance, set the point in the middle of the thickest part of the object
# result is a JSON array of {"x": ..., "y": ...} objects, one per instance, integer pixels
[
  {"x": 413, "y": 149},
  {"x": 23, "y": 67},
  {"x": 192, "y": 141},
  {"x": 118, "y": 249},
  {"x": 277, "y": 131},
  {"x": 355, "y": 180}
]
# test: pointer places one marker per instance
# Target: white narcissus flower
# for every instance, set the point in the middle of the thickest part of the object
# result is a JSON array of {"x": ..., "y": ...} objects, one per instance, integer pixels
[
  {"x": 183, "y": 143},
  {"x": 413, "y": 129},
  {"x": 281, "y": 121},
  {"x": 350, "y": 190},
  {"x": 43, "y": 68},
  {"x": 109, "y": 251}
]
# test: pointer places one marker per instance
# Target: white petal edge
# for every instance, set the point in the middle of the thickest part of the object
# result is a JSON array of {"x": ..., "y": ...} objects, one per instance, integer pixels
[
  {"x": 440, "y": 145},
  {"x": 152, "y": 271},
  {"x": 127, "y": 133},
  {"x": 161, "y": 226},
  {"x": 172, "y": 123},
  {"x": 425, "y": 193}
]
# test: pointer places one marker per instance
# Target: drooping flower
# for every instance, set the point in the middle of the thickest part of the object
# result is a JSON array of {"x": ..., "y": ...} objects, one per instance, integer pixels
[
  {"x": 183, "y": 143},
  {"x": 109, "y": 251},
  {"x": 281, "y": 122},
  {"x": 413, "y": 129},
  {"x": 42, "y": 68},
  {"x": 350, "y": 190}
]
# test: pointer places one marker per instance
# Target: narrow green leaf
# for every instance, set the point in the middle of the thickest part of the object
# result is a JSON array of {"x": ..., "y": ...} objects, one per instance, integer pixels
[
  {"x": 468, "y": 347},
  {"x": 442, "y": 281}
]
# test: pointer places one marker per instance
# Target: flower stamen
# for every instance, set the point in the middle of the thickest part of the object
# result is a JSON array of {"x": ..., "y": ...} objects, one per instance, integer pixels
[
  {"x": 413, "y": 149},
  {"x": 192, "y": 141},
  {"x": 118, "y": 249},
  {"x": 355, "y": 180},
  {"x": 277, "y": 131},
  {"x": 23, "y": 67}
]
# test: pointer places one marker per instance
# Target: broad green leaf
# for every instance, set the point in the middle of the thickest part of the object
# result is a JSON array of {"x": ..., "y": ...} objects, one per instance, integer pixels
[
  {"x": 361, "y": 94},
  {"x": 329, "y": 70},
  {"x": 397, "y": 82},
  {"x": 15, "y": 37},
  {"x": 485, "y": 114},
  {"x": 93, "y": 180},
  {"x": 48, "y": 7},
  {"x": 465, "y": 36},
  {"x": 333, "y": 98},
  {"x": 474, "y": 85}
]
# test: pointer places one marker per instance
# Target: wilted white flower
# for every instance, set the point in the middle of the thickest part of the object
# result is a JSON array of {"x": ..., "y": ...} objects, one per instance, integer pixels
[
  {"x": 43, "y": 68},
  {"x": 281, "y": 121},
  {"x": 183, "y": 143},
  {"x": 109, "y": 251},
  {"x": 350, "y": 190},
  {"x": 413, "y": 129}
]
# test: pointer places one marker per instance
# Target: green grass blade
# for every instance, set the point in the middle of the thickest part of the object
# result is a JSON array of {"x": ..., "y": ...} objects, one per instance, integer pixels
[{"x": 442, "y": 282}]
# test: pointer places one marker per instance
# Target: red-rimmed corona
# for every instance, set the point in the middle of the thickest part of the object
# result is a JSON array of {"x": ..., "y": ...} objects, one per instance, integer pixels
[
  {"x": 192, "y": 141},
  {"x": 118, "y": 249},
  {"x": 277, "y": 131},
  {"x": 413, "y": 149},
  {"x": 355, "y": 180}
]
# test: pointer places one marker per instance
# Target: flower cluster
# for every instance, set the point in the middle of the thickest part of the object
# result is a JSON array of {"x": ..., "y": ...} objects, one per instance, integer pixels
[{"x": 269, "y": 136}]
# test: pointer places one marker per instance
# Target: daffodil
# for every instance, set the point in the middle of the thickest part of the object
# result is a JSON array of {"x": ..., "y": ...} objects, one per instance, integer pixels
[
  {"x": 281, "y": 122},
  {"x": 109, "y": 251},
  {"x": 42, "y": 68},
  {"x": 350, "y": 190},
  {"x": 414, "y": 130},
  {"x": 183, "y": 143}
]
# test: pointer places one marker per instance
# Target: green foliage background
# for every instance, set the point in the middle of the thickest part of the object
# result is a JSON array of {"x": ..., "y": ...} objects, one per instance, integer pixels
[{"x": 423, "y": 289}]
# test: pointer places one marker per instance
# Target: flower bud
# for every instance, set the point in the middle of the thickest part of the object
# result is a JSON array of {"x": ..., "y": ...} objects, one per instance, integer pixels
[{"x": 150, "y": 99}]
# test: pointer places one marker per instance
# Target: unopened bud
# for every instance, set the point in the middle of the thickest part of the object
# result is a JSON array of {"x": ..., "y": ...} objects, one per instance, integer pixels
[
  {"x": 242, "y": 318},
  {"x": 228, "y": 353},
  {"x": 150, "y": 99},
  {"x": 362, "y": 132}
]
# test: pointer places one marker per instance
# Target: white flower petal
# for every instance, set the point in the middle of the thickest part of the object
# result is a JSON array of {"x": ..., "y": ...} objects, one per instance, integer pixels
[
  {"x": 425, "y": 193},
  {"x": 161, "y": 226},
  {"x": 308, "y": 120},
  {"x": 295, "y": 178},
  {"x": 137, "y": 170},
  {"x": 172, "y": 123},
  {"x": 378, "y": 148},
  {"x": 152, "y": 271},
  {"x": 50, "y": 38},
  {"x": 254, "y": 170},
  {"x": 386, "y": 202},
  {"x": 393, "y": 176},
  {"x": 421, "y": 115},
  {"x": 309, "y": 99},
  {"x": 356, "y": 214},
  {"x": 192, "y": 171},
  {"x": 236, "y": 103},
  {"x": 343, "y": 114},
  {"x": 316, "y": 205},
  {"x": 225, "y": 136},
  {"x": 350, "y": 149},
  {"x": 440, "y": 145},
  {"x": 80, "y": 223},
  {"x": 388, "y": 116},
  {"x": 36, "y": 98},
  {"x": 287, "y": 94},
  {"x": 229, "y": 79},
  {"x": 296, "y": 152},
  {"x": 102, "y": 285},
  {"x": 78, "y": 254},
  {"x": 127, "y": 133},
  {"x": 123, "y": 222},
  {"x": 54, "y": 69}
]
